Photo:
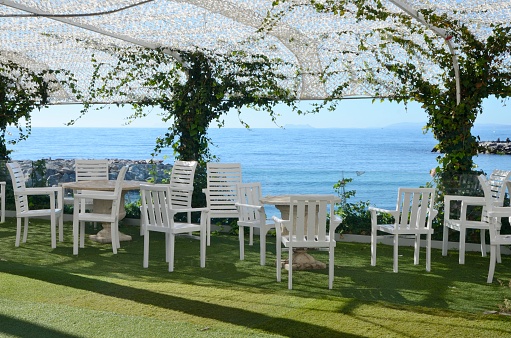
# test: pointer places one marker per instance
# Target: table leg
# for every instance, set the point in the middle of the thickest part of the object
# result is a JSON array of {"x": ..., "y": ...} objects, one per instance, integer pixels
[{"x": 105, "y": 235}]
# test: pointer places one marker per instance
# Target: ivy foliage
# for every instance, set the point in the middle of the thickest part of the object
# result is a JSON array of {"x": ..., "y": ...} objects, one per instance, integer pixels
[
  {"x": 21, "y": 91},
  {"x": 193, "y": 89},
  {"x": 484, "y": 71}
]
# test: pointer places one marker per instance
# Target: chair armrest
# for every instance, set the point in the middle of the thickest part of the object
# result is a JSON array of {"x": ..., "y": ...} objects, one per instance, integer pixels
[
  {"x": 465, "y": 202},
  {"x": 249, "y": 206},
  {"x": 181, "y": 187},
  {"x": 434, "y": 213},
  {"x": 181, "y": 210},
  {"x": 40, "y": 191},
  {"x": 394, "y": 213},
  {"x": 469, "y": 200},
  {"x": 500, "y": 212},
  {"x": 283, "y": 223},
  {"x": 334, "y": 223},
  {"x": 93, "y": 194}
]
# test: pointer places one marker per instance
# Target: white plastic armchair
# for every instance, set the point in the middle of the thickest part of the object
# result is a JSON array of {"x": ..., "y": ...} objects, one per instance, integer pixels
[
  {"x": 492, "y": 214},
  {"x": 88, "y": 170},
  {"x": 80, "y": 214},
  {"x": 181, "y": 187},
  {"x": 221, "y": 194},
  {"x": 414, "y": 215},
  {"x": 158, "y": 215},
  {"x": 496, "y": 191},
  {"x": 23, "y": 211},
  {"x": 307, "y": 228},
  {"x": 252, "y": 215}
]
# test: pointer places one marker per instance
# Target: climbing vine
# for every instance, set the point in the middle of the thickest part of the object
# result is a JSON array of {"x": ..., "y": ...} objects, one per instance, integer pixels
[
  {"x": 484, "y": 70},
  {"x": 21, "y": 91},
  {"x": 193, "y": 88}
]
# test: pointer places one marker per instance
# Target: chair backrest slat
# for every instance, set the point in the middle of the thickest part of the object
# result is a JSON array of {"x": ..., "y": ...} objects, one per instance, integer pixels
[
  {"x": 251, "y": 194},
  {"x": 416, "y": 207},
  {"x": 181, "y": 183},
  {"x": 91, "y": 170},
  {"x": 18, "y": 184},
  {"x": 118, "y": 189},
  {"x": 309, "y": 216},
  {"x": 156, "y": 204},
  {"x": 222, "y": 179}
]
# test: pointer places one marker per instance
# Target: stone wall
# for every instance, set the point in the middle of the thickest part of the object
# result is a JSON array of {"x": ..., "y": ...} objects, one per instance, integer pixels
[{"x": 61, "y": 171}]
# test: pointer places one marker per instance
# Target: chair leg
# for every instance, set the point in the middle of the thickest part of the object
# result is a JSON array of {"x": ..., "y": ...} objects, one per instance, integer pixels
[
  {"x": 82, "y": 234},
  {"x": 463, "y": 234},
  {"x": 114, "y": 236},
  {"x": 171, "y": 251},
  {"x": 53, "y": 231},
  {"x": 493, "y": 259},
  {"x": 279, "y": 259},
  {"x": 262, "y": 246},
  {"x": 331, "y": 268},
  {"x": 167, "y": 253},
  {"x": 396, "y": 245},
  {"x": 373, "y": 247},
  {"x": 208, "y": 230},
  {"x": 61, "y": 226},
  {"x": 417, "y": 247},
  {"x": 251, "y": 236},
  {"x": 241, "y": 236},
  {"x": 290, "y": 269},
  {"x": 445, "y": 241},
  {"x": 428, "y": 252},
  {"x": 76, "y": 225},
  {"x": 145, "y": 262},
  {"x": 18, "y": 231},
  {"x": 25, "y": 230},
  {"x": 499, "y": 258},
  {"x": 483, "y": 242},
  {"x": 202, "y": 248}
]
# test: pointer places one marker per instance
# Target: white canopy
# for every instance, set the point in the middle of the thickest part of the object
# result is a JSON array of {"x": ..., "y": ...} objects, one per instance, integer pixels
[{"x": 64, "y": 34}]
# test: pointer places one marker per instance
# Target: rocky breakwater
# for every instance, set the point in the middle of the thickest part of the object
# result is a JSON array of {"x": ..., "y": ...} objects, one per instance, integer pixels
[
  {"x": 496, "y": 147},
  {"x": 491, "y": 147},
  {"x": 55, "y": 171}
]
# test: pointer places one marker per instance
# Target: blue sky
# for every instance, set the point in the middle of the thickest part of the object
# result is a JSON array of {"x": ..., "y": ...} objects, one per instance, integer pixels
[{"x": 359, "y": 113}]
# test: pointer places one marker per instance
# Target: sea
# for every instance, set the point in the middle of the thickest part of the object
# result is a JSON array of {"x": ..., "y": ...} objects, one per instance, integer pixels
[{"x": 289, "y": 160}]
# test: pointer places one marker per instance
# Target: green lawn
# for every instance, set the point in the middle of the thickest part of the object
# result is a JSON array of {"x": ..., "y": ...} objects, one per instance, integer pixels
[{"x": 48, "y": 292}]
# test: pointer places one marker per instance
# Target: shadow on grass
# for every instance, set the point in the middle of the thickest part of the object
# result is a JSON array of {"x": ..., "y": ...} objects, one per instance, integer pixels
[
  {"x": 235, "y": 316},
  {"x": 22, "y": 328}
]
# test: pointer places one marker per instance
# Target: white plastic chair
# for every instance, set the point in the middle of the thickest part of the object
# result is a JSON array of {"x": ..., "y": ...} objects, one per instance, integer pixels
[
  {"x": 181, "y": 187},
  {"x": 492, "y": 214},
  {"x": 497, "y": 189},
  {"x": 159, "y": 215},
  {"x": 80, "y": 216},
  {"x": 21, "y": 193},
  {"x": 307, "y": 228},
  {"x": 251, "y": 214},
  {"x": 414, "y": 215},
  {"x": 221, "y": 195},
  {"x": 89, "y": 170}
]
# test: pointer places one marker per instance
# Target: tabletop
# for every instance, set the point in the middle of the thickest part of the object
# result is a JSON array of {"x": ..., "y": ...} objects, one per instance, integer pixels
[
  {"x": 285, "y": 199},
  {"x": 102, "y": 185}
]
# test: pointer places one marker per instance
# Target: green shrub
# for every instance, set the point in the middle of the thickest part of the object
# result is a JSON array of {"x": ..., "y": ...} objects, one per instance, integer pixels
[{"x": 356, "y": 218}]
